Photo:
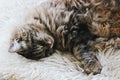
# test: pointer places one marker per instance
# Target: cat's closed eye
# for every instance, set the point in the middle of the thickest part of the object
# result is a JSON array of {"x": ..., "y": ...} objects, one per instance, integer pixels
[
  {"x": 99, "y": 16},
  {"x": 19, "y": 39}
]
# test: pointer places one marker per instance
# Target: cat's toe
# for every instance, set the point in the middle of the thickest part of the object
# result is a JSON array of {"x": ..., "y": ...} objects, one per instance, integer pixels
[{"x": 91, "y": 65}]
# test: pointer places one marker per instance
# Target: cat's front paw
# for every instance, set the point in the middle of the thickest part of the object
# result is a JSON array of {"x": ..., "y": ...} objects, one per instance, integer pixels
[{"x": 91, "y": 65}]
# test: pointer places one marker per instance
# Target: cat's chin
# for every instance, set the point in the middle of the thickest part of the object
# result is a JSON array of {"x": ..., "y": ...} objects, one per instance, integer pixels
[{"x": 37, "y": 56}]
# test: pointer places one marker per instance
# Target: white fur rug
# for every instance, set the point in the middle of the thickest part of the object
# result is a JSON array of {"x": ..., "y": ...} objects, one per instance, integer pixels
[{"x": 60, "y": 66}]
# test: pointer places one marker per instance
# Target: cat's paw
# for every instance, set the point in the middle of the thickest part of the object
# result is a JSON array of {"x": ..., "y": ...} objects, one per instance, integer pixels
[{"x": 91, "y": 65}]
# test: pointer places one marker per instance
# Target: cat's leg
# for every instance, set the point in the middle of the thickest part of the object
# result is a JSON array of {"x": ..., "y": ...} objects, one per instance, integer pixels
[
  {"x": 104, "y": 44},
  {"x": 88, "y": 60}
]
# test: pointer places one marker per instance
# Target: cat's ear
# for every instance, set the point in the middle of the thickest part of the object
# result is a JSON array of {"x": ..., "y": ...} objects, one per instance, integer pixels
[
  {"x": 47, "y": 41},
  {"x": 14, "y": 47},
  {"x": 50, "y": 42},
  {"x": 44, "y": 39}
]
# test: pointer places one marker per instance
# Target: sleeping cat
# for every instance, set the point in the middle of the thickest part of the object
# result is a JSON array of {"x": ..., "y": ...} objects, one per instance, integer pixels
[
  {"x": 49, "y": 31},
  {"x": 72, "y": 26}
]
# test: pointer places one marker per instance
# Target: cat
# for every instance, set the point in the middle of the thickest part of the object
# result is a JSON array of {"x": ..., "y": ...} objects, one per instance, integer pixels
[{"x": 49, "y": 31}]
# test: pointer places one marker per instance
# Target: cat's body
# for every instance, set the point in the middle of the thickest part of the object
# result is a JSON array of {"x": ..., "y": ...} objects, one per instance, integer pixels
[
  {"x": 103, "y": 20},
  {"x": 59, "y": 24}
]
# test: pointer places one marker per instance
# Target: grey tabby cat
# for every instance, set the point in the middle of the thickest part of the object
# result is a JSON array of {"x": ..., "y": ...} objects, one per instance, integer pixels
[{"x": 49, "y": 31}]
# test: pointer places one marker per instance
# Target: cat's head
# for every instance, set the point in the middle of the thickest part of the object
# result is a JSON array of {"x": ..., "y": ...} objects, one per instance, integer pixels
[{"x": 31, "y": 42}]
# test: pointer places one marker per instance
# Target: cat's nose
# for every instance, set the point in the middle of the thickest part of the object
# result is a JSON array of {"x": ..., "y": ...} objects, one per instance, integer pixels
[
  {"x": 9, "y": 50},
  {"x": 14, "y": 47}
]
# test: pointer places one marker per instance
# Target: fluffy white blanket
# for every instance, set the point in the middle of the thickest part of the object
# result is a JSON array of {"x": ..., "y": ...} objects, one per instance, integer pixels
[{"x": 60, "y": 66}]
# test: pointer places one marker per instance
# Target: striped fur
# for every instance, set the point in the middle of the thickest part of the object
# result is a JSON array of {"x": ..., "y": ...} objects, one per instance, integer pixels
[
  {"x": 59, "y": 24},
  {"x": 102, "y": 18}
]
